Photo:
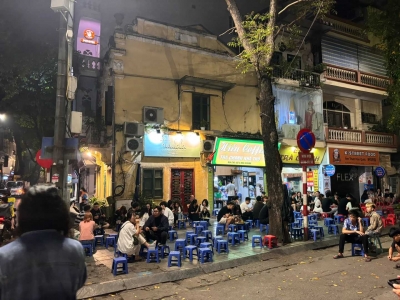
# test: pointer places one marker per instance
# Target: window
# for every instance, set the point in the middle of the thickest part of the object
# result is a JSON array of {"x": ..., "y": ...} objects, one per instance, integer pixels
[
  {"x": 200, "y": 111},
  {"x": 296, "y": 61},
  {"x": 153, "y": 183},
  {"x": 276, "y": 59},
  {"x": 336, "y": 115},
  {"x": 369, "y": 118}
]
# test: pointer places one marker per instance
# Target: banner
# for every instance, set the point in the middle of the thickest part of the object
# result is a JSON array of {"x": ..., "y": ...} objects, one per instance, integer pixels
[
  {"x": 290, "y": 155},
  {"x": 339, "y": 156}
]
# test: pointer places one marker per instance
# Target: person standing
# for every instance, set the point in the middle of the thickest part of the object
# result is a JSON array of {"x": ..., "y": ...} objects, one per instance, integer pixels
[
  {"x": 43, "y": 263},
  {"x": 231, "y": 190}
]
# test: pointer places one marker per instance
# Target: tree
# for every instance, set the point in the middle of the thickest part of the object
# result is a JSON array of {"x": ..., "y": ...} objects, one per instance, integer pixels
[
  {"x": 385, "y": 23},
  {"x": 257, "y": 35}
]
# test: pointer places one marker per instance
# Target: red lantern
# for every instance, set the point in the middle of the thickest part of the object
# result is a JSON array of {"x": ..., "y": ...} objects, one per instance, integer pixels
[{"x": 44, "y": 163}]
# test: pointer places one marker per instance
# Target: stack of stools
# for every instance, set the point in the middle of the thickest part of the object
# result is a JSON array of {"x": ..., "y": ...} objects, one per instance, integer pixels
[
  {"x": 205, "y": 254},
  {"x": 222, "y": 245},
  {"x": 300, "y": 222},
  {"x": 172, "y": 235},
  {"x": 189, "y": 252},
  {"x": 207, "y": 245},
  {"x": 180, "y": 245},
  {"x": 271, "y": 241},
  {"x": 243, "y": 235},
  {"x": 233, "y": 237},
  {"x": 177, "y": 256},
  {"x": 256, "y": 239},
  {"x": 119, "y": 260}
]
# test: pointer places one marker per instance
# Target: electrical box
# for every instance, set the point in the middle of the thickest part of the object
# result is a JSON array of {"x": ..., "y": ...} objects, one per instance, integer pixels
[
  {"x": 76, "y": 122},
  {"x": 72, "y": 85},
  {"x": 60, "y": 5}
]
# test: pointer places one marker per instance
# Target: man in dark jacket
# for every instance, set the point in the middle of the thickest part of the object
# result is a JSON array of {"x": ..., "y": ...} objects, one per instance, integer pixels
[
  {"x": 156, "y": 226},
  {"x": 257, "y": 208},
  {"x": 264, "y": 215},
  {"x": 327, "y": 202}
]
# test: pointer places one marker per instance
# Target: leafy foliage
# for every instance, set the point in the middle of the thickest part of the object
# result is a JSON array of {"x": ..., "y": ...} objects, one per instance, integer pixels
[{"x": 385, "y": 24}]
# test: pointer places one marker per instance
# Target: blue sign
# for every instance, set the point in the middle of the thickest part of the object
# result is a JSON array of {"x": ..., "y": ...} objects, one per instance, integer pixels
[
  {"x": 380, "y": 172},
  {"x": 305, "y": 140},
  {"x": 330, "y": 170}
]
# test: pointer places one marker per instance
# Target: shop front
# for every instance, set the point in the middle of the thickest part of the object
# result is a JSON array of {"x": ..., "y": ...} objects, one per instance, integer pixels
[
  {"x": 353, "y": 170},
  {"x": 171, "y": 167}
]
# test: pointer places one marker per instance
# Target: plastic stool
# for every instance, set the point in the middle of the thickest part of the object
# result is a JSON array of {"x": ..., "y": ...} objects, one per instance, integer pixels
[
  {"x": 195, "y": 224},
  {"x": 110, "y": 241},
  {"x": 173, "y": 235},
  {"x": 333, "y": 228},
  {"x": 120, "y": 254},
  {"x": 199, "y": 229},
  {"x": 220, "y": 229},
  {"x": 115, "y": 235},
  {"x": 200, "y": 239},
  {"x": 297, "y": 232},
  {"x": 321, "y": 230},
  {"x": 376, "y": 241},
  {"x": 204, "y": 224},
  {"x": 256, "y": 239},
  {"x": 99, "y": 239},
  {"x": 250, "y": 223},
  {"x": 264, "y": 227},
  {"x": 297, "y": 214},
  {"x": 205, "y": 253},
  {"x": 315, "y": 233},
  {"x": 240, "y": 226},
  {"x": 116, "y": 262},
  {"x": 181, "y": 224},
  {"x": 180, "y": 245},
  {"x": 256, "y": 223},
  {"x": 192, "y": 237},
  {"x": 88, "y": 247},
  {"x": 152, "y": 254},
  {"x": 271, "y": 241},
  {"x": 232, "y": 228},
  {"x": 300, "y": 221},
  {"x": 207, "y": 234},
  {"x": 187, "y": 236},
  {"x": 163, "y": 250},
  {"x": 217, "y": 238},
  {"x": 328, "y": 221},
  {"x": 233, "y": 237},
  {"x": 174, "y": 254},
  {"x": 243, "y": 235},
  {"x": 355, "y": 252},
  {"x": 339, "y": 219},
  {"x": 207, "y": 245},
  {"x": 215, "y": 212},
  {"x": 222, "y": 245},
  {"x": 189, "y": 250}
]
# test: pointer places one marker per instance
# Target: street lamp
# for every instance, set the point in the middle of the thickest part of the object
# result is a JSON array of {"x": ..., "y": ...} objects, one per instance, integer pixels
[{"x": 2, "y": 117}]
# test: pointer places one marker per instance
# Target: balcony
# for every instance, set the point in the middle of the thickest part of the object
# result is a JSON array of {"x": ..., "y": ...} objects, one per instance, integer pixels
[
  {"x": 87, "y": 65},
  {"x": 356, "y": 77},
  {"x": 360, "y": 137},
  {"x": 345, "y": 27},
  {"x": 305, "y": 78}
]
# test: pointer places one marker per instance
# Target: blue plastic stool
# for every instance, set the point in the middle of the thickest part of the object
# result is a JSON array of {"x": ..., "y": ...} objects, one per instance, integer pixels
[
  {"x": 205, "y": 254},
  {"x": 199, "y": 229},
  {"x": 171, "y": 260},
  {"x": 120, "y": 254},
  {"x": 89, "y": 248},
  {"x": 181, "y": 224},
  {"x": 256, "y": 239},
  {"x": 297, "y": 214},
  {"x": 152, "y": 254},
  {"x": 207, "y": 234},
  {"x": 339, "y": 219},
  {"x": 195, "y": 224},
  {"x": 163, "y": 250},
  {"x": 173, "y": 235},
  {"x": 300, "y": 221},
  {"x": 116, "y": 262},
  {"x": 256, "y": 223},
  {"x": 312, "y": 217},
  {"x": 250, "y": 223},
  {"x": 216, "y": 238},
  {"x": 200, "y": 239},
  {"x": 192, "y": 237},
  {"x": 187, "y": 236},
  {"x": 118, "y": 227},
  {"x": 222, "y": 245},
  {"x": 240, "y": 226},
  {"x": 243, "y": 235},
  {"x": 233, "y": 238},
  {"x": 189, "y": 250},
  {"x": 232, "y": 228},
  {"x": 99, "y": 239},
  {"x": 180, "y": 244},
  {"x": 110, "y": 241},
  {"x": 328, "y": 221},
  {"x": 297, "y": 232},
  {"x": 355, "y": 252},
  {"x": 366, "y": 222},
  {"x": 321, "y": 230},
  {"x": 220, "y": 229},
  {"x": 333, "y": 228},
  {"x": 264, "y": 227},
  {"x": 215, "y": 212},
  {"x": 315, "y": 234},
  {"x": 204, "y": 224},
  {"x": 115, "y": 235},
  {"x": 207, "y": 245}
]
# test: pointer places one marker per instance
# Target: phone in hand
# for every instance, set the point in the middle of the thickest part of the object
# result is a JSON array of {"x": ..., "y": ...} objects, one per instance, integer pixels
[{"x": 393, "y": 281}]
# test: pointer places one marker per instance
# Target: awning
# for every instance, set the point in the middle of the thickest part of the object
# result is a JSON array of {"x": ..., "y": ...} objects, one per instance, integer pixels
[{"x": 223, "y": 86}]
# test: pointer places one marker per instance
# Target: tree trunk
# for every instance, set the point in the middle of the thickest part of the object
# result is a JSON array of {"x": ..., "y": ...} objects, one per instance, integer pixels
[{"x": 273, "y": 162}]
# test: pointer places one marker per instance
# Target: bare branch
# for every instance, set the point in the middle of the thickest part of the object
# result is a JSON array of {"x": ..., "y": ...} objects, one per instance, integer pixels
[
  {"x": 230, "y": 30},
  {"x": 290, "y": 24},
  {"x": 291, "y": 4}
]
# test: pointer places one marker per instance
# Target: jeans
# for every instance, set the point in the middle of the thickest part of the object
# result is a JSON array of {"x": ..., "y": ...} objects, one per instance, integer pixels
[
  {"x": 353, "y": 239},
  {"x": 160, "y": 237}
]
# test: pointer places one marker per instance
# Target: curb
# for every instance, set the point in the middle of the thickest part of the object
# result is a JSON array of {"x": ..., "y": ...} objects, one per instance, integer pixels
[{"x": 137, "y": 281}]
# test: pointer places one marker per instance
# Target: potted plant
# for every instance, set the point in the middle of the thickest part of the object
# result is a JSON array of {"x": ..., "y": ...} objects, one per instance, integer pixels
[{"x": 203, "y": 124}]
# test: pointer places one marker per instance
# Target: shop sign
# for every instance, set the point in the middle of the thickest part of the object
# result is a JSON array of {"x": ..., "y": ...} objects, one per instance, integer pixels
[
  {"x": 316, "y": 184},
  {"x": 235, "y": 152},
  {"x": 380, "y": 172},
  {"x": 185, "y": 144},
  {"x": 339, "y": 156},
  {"x": 306, "y": 159},
  {"x": 330, "y": 170},
  {"x": 310, "y": 178},
  {"x": 290, "y": 155},
  {"x": 89, "y": 36}
]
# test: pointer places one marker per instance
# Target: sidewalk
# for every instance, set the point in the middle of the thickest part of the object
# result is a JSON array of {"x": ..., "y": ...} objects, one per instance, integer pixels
[{"x": 101, "y": 281}]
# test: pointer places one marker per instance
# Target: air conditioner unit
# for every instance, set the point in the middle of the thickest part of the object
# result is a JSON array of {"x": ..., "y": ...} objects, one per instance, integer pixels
[
  {"x": 153, "y": 115},
  {"x": 133, "y": 129},
  {"x": 208, "y": 146},
  {"x": 60, "y": 5},
  {"x": 134, "y": 144}
]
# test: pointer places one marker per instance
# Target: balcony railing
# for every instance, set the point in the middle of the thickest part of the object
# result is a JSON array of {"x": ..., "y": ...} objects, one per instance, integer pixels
[
  {"x": 360, "y": 137},
  {"x": 305, "y": 78},
  {"x": 345, "y": 27},
  {"x": 356, "y": 77}
]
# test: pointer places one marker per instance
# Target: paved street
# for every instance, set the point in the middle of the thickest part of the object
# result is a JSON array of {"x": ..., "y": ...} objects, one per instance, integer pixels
[{"x": 312, "y": 274}]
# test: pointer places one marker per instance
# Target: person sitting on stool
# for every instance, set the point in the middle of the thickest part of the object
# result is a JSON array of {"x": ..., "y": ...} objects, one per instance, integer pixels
[{"x": 156, "y": 227}]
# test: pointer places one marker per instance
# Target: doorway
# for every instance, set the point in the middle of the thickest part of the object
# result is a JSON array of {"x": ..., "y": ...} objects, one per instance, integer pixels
[{"x": 182, "y": 186}]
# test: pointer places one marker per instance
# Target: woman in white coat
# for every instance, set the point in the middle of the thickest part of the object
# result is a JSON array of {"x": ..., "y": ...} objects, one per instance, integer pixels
[{"x": 130, "y": 239}]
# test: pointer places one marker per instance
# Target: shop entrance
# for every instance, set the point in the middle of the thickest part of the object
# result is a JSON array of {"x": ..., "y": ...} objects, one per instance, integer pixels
[{"x": 182, "y": 185}]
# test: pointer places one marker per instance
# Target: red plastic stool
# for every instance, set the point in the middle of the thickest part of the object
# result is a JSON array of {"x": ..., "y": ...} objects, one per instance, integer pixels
[{"x": 271, "y": 241}]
